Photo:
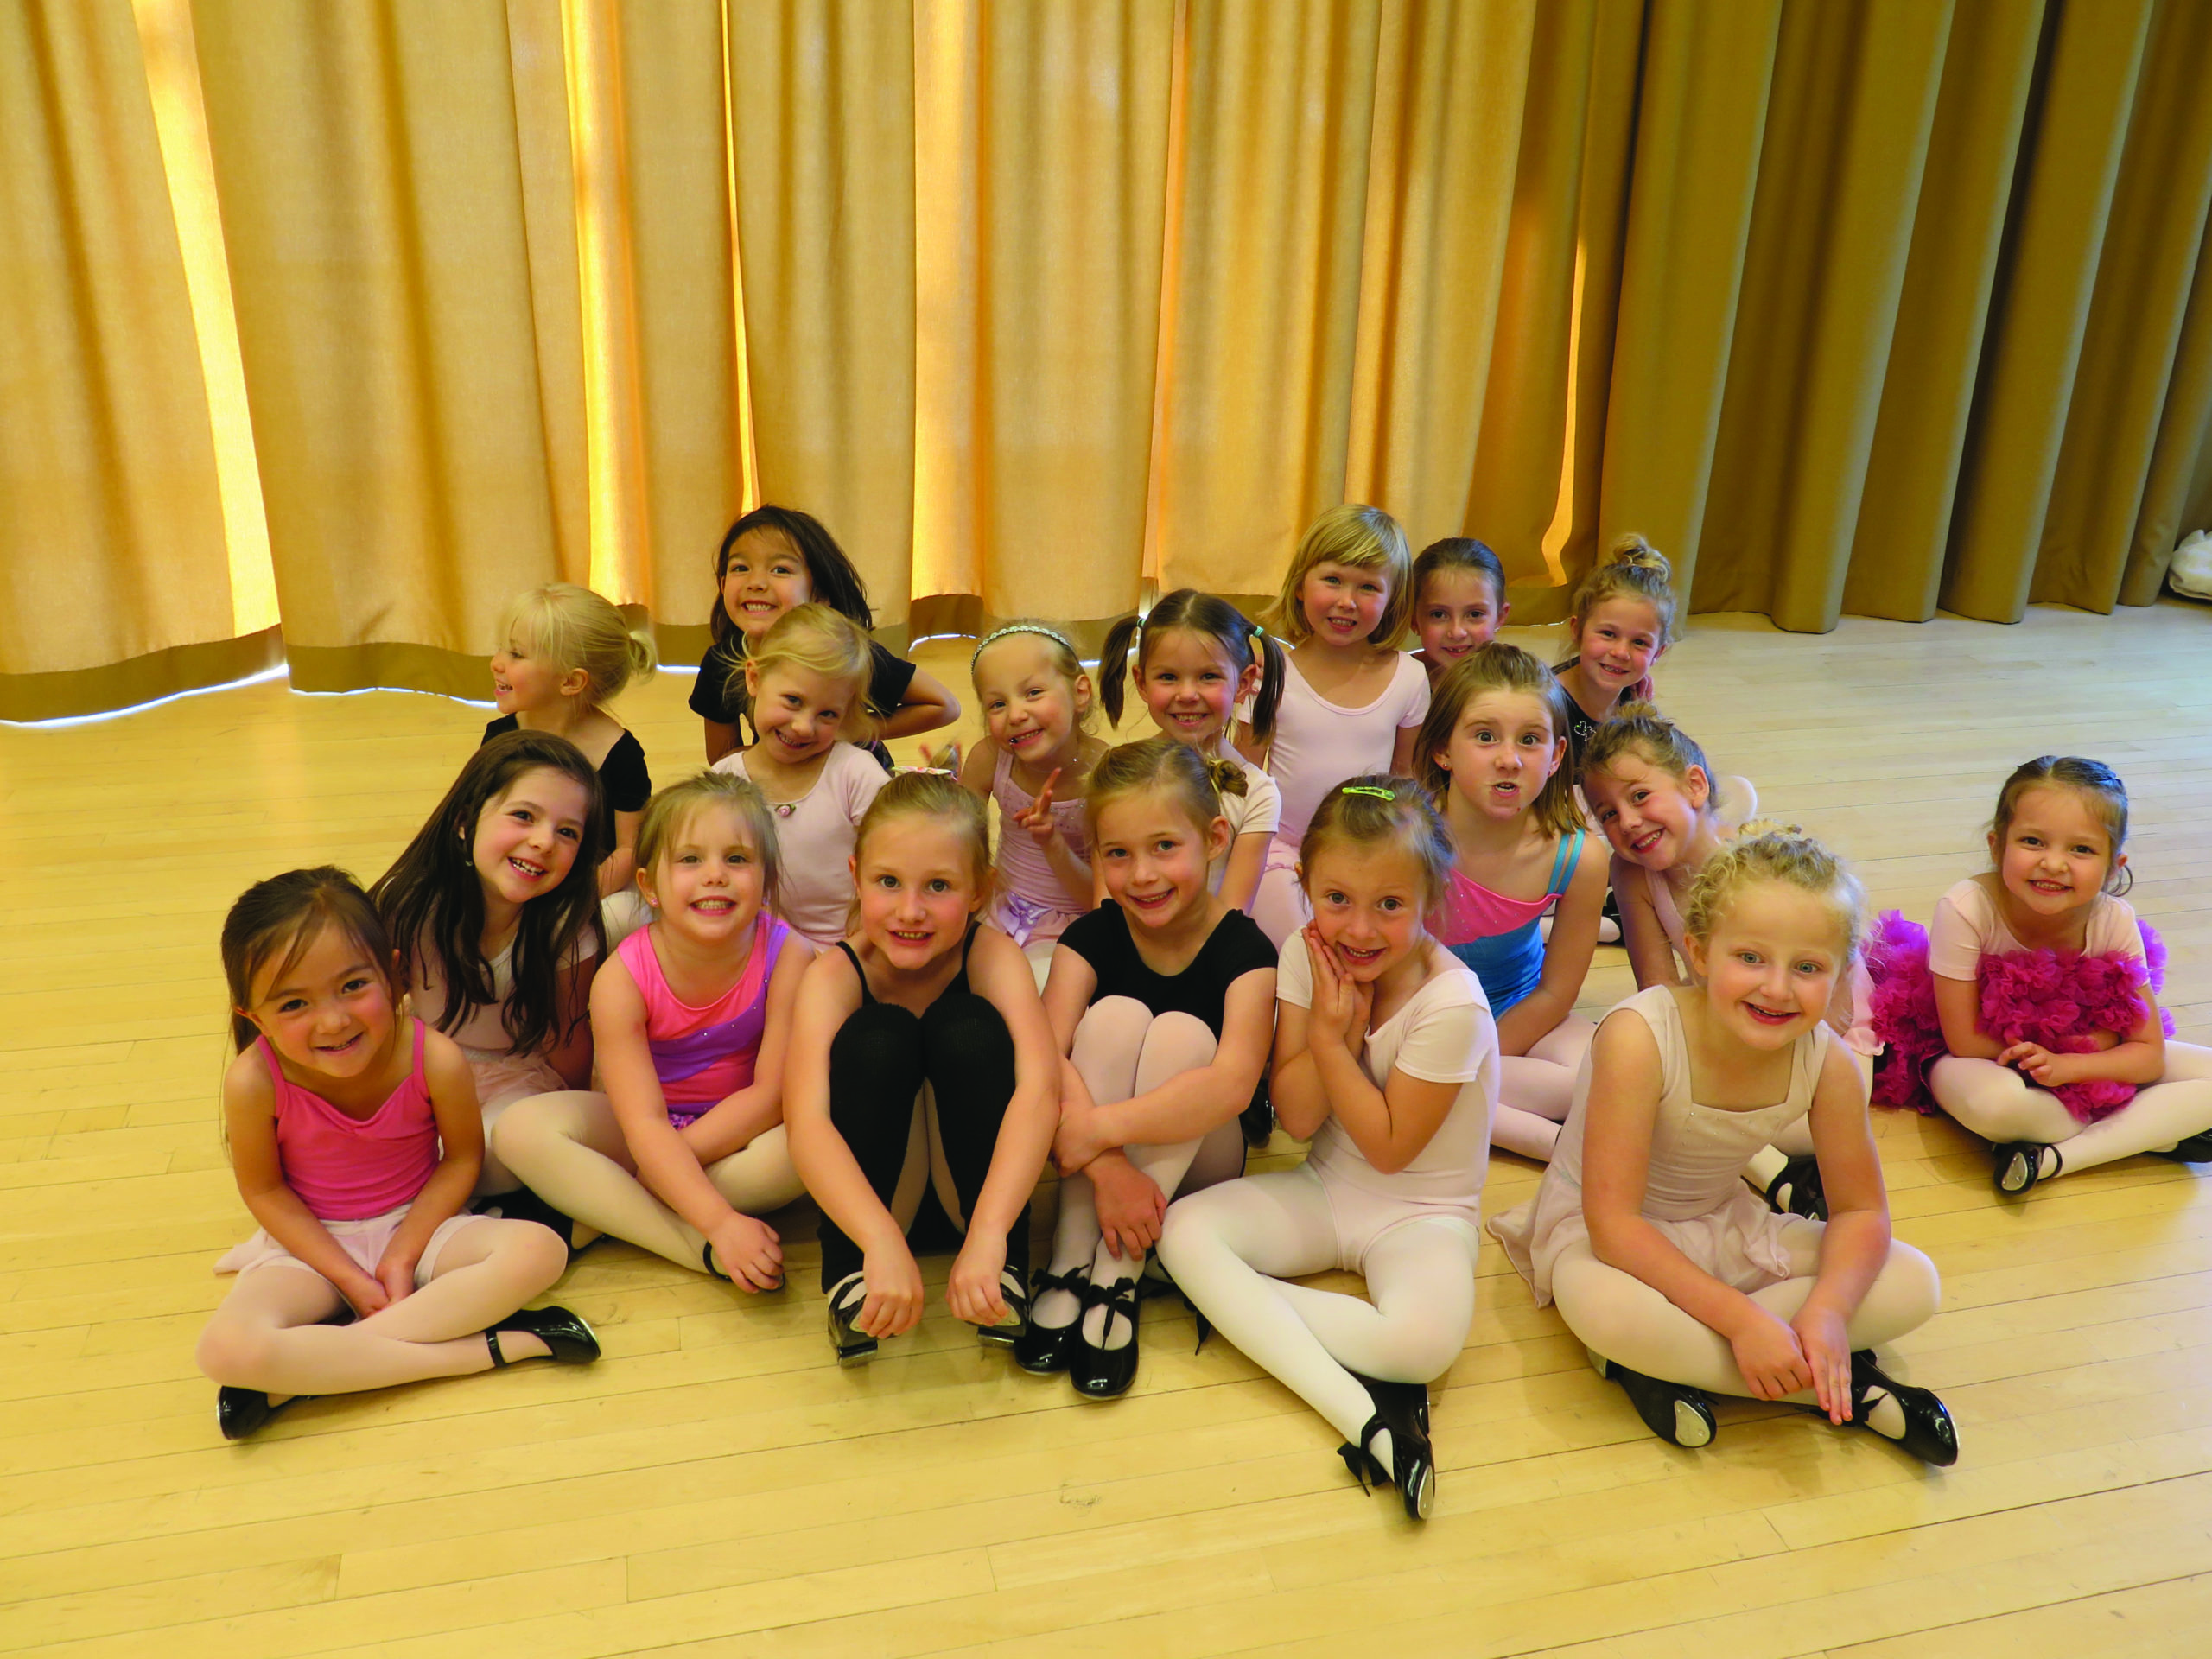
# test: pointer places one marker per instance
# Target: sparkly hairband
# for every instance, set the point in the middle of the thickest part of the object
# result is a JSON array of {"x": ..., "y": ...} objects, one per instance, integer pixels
[
  {"x": 1370, "y": 789},
  {"x": 997, "y": 635}
]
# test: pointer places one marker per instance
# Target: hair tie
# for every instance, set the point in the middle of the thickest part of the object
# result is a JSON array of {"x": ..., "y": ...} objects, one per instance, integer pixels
[
  {"x": 1259, "y": 632},
  {"x": 1379, "y": 794},
  {"x": 927, "y": 771},
  {"x": 1021, "y": 628}
]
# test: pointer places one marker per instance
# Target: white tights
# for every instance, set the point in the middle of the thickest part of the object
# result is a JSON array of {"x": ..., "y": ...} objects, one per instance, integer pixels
[
  {"x": 1999, "y": 1104},
  {"x": 1122, "y": 1050},
  {"x": 569, "y": 1150},
  {"x": 1535, "y": 1089},
  {"x": 268, "y": 1333},
  {"x": 1618, "y": 1316},
  {"x": 1231, "y": 1247}
]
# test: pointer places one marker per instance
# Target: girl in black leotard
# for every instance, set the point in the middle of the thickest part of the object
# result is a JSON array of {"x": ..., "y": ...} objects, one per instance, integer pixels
[{"x": 921, "y": 1010}]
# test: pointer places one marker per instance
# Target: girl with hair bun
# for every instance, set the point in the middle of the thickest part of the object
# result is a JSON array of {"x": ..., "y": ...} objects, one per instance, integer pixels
[
  {"x": 1619, "y": 623},
  {"x": 1678, "y": 1280}
]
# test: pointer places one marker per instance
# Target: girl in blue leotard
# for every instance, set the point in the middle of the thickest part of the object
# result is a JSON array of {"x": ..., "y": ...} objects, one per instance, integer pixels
[{"x": 1493, "y": 751}]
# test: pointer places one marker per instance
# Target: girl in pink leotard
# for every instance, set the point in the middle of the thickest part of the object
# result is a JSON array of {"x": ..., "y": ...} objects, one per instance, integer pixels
[
  {"x": 1352, "y": 700},
  {"x": 685, "y": 1150}
]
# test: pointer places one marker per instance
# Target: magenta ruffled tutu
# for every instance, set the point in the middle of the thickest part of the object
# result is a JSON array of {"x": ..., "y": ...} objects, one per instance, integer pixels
[{"x": 2060, "y": 999}]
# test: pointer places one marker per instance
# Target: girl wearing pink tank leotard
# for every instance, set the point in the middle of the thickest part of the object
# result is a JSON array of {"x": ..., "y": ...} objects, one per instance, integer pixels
[
  {"x": 355, "y": 1138},
  {"x": 1352, "y": 700},
  {"x": 685, "y": 1148}
]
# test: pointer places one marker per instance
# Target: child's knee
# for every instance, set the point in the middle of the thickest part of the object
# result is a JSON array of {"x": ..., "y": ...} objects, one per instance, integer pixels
[
  {"x": 965, "y": 1038},
  {"x": 233, "y": 1352},
  {"x": 1911, "y": 1280},
  {"x": 534, "y": 1254}
]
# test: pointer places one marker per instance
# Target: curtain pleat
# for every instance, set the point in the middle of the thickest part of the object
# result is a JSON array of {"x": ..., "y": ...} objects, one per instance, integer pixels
[
  {"x": 2045, "y": 283},
  {"x": 821, "y": 120},
  {"x": 112, "y": 534},
  {"x": 1864, "y": 305},
  {"x": 372, "y": 207},
  {"x": 1277, "y": 117},
  {"x": 1037, "y": 299},
  {"x": 1850, "y": 108}
]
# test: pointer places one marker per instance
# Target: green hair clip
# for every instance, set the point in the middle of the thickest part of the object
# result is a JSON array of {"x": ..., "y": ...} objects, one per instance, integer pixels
[{"x": 1380, "y": 794}]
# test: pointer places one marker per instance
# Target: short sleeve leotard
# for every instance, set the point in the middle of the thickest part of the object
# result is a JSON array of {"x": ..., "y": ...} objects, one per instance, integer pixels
[
  {"x": 718, "y": 694},
  {"x": 501, "y": 1074},
  {"x": 1442, "y": 1034},
  {"x": 625, "y": 785},
  {"x": 1030, "y": 904},
  {"x": 815, "y": 836},
  {"x": 1234, "y": 949},
  {"x": 1317, "y": 744},
  {"x": 1497, "y": 936},
  {"x": 1966, "y": 926},
  {"x": 702, "y": 1055},
  {"x": 1257, "y": 811}
]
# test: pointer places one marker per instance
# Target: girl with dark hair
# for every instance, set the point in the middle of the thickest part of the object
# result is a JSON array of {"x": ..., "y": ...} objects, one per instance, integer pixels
[
  {"x": 354, "y": 1137},
  {"x": 495, "y": 909},
  {"x": 773, "y": 560}
]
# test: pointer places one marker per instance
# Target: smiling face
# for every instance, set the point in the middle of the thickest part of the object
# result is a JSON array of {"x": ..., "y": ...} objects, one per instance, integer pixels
[
  {"x": 2056, "y": 853},
  {"x": 332, "y": 1012},
  {"x": 1458, "y": 611},
  {"x": 1502, "y": 751},
  {"x": 765, "y": 577},
  {"x": 1618, "y": 642},
  {"x": 1650, "y": 817},
  {"x": 798, "y": 712},
  {"x": 1367, "y": 904},
  {"x": 1771, "y": 963},
  {"x": 524, "y": 680},
  {"x": 1153, "y": 858},
  {"x": 1344, "y": 603},
  {"x": 707, "y": 880},
  {"x": 526, "y": 838},
  {"x": 918, "y": 888},
  {"x": 1190, "y": 685},
  {"x": 1029, "y": 706}
]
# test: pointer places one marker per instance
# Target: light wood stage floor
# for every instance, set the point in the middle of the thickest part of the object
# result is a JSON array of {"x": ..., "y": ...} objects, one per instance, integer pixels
[{"x": 716, "y": 1485}]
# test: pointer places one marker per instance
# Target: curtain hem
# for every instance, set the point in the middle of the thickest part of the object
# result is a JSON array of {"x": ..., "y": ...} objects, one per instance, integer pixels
[{"x": 65, "y": 694}]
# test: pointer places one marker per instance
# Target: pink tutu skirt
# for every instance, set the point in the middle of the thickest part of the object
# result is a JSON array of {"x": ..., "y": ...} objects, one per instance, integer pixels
[{"x": 1739, "y": 1243}]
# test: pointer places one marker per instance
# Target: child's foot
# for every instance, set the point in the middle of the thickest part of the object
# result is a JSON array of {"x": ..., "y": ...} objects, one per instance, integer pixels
[
  {"x": 1797, "y": 1191},
  {"x": 2198, "y": 1149},
  {"x": 1673, "y": 1411},
  {"x": 553, "y": 1333},
  {"x": 1054, "y": 1314},
  {"x": 846, "y": 1298},
  {"x": 241, "y": 1412},
  {"x": 1104, "y": 1360},
  {"x": 1914, "y": 1418},
  {"x": 2018, "y": 1164}
]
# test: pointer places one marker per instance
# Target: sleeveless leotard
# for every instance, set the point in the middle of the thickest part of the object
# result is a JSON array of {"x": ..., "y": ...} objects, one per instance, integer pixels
[
  {"x": 348, "y": 1168},
  {"x": 704, "y": 1055},
  {"x": 1498, "y": 937}
]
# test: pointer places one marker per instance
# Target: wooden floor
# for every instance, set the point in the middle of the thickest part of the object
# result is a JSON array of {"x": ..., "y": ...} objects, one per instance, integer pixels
[{"x": 717, "y": 1485}]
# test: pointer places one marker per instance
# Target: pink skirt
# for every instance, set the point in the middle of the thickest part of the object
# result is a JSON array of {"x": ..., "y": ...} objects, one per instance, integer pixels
[
  {"x": 1739, "y": 1243},
  {"x": 364, "y": 1241}
]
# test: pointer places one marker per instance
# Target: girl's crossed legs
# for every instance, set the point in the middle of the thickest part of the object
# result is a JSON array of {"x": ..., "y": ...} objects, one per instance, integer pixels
[{"x": 2000, "y": 1105}]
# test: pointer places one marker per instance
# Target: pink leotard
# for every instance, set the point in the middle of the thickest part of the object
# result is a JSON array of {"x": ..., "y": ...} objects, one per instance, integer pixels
[
  {"x": 1317, "y": 744},
  {"x": 1031, "y": 904},
  {"x": 348, "y": 1168},
  {"x": 704, "y": 1055}
]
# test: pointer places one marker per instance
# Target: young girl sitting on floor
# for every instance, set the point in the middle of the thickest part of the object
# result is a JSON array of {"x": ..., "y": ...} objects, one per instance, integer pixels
[
  {"x": 2057, "y": 1093},
  {"x": 569, "y": 654},
  {"x": 920, "y": 1054},
  {"x": 806, "y": 679},
  {"x": 1164, "y": 998},
  {"x": 1352, "y": 700},
  {"x": 1679, "y": 1283},
  {"x": 1036, "y": 703},
  {"x": 1198, "y": 658},
  {"x": 686, "y": 1148},
  {"x": 1459, "y": 601},
  {"x": 495, "y": 911},
  {"x": 773, "y": 560},
  {"x": 354, "y": 1135},
  {"x": 1386, "y": 1059},
  {"x": 1493, "y": 751},
  {"x": 1619, "y": 622}
]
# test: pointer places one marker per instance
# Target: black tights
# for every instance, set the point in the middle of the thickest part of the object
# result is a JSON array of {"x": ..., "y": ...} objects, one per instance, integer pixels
[{"x": 879, "y": 1060}]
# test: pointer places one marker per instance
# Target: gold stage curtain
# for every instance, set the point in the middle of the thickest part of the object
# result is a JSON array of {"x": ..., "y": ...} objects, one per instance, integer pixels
[
  {"x": 1874, "y": 305},
  {"x": 111, "y": 533}
]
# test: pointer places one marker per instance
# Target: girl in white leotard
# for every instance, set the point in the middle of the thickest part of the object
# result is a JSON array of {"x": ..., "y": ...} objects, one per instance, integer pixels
[
  {"x": 1386, "y": 1059},
  {"x": 1653, "y": 792},
  {"x": 1352, "y": 700},
  {"x": 1680, "y": 1282}
]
